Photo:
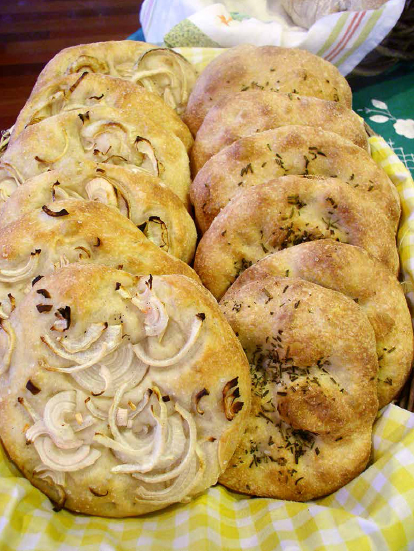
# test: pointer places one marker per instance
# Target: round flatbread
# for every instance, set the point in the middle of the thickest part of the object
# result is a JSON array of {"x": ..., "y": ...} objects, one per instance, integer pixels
[
  {"x": 283, "y": 213},
  {"x": 354, "y": 273},
  {"x": 84, "y": 90},
  {"x": 286, "y": 150},
  {"x": 253, "y": 111},
  {"x": 159, "y": 70},
  {"x": 270, "y": 68},
  {"x": 127, "y": 395},
  {"x": 98, "y": 134},
  {"x": 63, "y": 232},
  {"x": 139, "y": 196},
  {"x": 313, "y": 363}
]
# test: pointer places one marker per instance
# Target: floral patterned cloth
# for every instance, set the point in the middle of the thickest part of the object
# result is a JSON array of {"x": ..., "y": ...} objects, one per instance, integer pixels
[{"x": 386, "y": 103}]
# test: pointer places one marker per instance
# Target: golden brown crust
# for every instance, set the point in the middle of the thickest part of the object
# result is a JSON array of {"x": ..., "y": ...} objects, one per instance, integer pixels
[
  {"x": 313, "y": 364},
  {"x": 248, "y": 67},
  {"x": 354, "y": 273},
  {"x": 288, "y": 150},
  {"x": 129, "y": 60},
  {"x": 98, "y": 134},
  {"x": 88, "y": 89},
  {"x": 285, "y": 212},
  {"x": 139, "y": 196},
  {"x": 92, "y": 294},
  {"x": 82, "y": 231},
  {"x": 253, "y": 111}
]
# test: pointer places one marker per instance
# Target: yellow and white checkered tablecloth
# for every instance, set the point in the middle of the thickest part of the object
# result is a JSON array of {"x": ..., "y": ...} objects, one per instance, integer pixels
[{"x": 374, "y": 512}]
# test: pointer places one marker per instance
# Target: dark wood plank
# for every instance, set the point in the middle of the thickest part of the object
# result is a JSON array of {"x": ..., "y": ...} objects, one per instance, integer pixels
[{"x": 33, "y": 31}]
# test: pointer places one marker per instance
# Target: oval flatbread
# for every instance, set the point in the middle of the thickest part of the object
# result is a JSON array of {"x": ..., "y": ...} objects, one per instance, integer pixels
[
  {"x": 283, "y": 213},
  {"x": 77, "y": 91},
  {"x": 313, "y": 363},
  {"x": 159, "y": 70},
  {"x": 353, "y": 272},
  {"x": 67, "y": 231},
  {"x": 253, "y": 111},
  {"x": 139, "y": 196},
  {"x": 98, "y": 134},
  {"x": 122, "y": 400},
  {"x": 270, "y": 68},
  {"x": 287, "y": 150}
]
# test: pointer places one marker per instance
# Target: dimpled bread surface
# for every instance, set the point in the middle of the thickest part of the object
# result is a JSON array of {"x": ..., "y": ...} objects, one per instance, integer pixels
[{"x": 156, "y": 425}]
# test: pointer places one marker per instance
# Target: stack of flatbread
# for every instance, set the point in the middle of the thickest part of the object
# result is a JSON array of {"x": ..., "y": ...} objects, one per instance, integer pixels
[
  {"x": 299, "y": 227},
  {"x": 123, "y": 388}
]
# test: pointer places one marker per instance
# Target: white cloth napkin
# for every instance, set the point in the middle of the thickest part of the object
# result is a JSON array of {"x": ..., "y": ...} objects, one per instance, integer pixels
[{"x": 344, "y": 38}]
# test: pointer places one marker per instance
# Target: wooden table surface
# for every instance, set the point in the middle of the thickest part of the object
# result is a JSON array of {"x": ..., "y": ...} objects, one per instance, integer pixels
[{"x": 33, "y": 31}]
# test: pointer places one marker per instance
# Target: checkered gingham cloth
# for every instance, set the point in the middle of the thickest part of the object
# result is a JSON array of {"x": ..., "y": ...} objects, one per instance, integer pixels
[{"x": 374, "y": 512}]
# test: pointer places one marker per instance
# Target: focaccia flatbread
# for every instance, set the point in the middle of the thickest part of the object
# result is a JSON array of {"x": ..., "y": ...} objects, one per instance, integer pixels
[
  {"x": 125, "y": 395},
  {"x": 270, "y": 68},
  {"x": 138, "y": 195},
  {"x": 283, "y": 213},
  {"x": 353, "y": 272},
  {"x": 67, "y": 231},
  {"x": 159, "y": 70},
  {"x": 313, "y": 363},
  {"x": 286, "y": 150},
  {"x": 238, "y": 115},
  {"x": 84, "y": 90},
  {"x": 98, "y": 134}
]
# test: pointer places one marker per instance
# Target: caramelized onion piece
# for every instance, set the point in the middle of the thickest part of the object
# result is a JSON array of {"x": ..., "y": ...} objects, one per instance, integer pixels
[
  {"x": 116, "y": 369},
  {"x": 50, "y": 106},
  {"x": 54, "y": 213},
  {"x": 231, "y": 399},
  {"x": 54, "y": 423},
  {"x": 159, "y": 446},
  {"x": 61, "y": 263},
  {"x": 99, "y": 189},
  {"x": 63, "y": 320},
  {"x": 109, "y": 341},
  {"x": 22, "y": 272},
  {"x": 181, "y": 487},
  {"x": 197, "y": 399},
  {"x": 58, "y": 193},
  {"x": 10, "y": 180},
  {"x": 7, "y": 328},
  {"x": 56, "y": 159},
  {"x": 88, "y": 64},
  {"x": 150, "y": 161},
  {"x": 106, "y": 139},
  {"x": 167, "y": 74},
  {"x": 166, "y": 362},
  {"x": 42, "y": 471},
  {"x": 65, "y": 460},
  {"x": 155, "y": 313},
  {"x": 53, "y": 437},
  {"x": 86, "y": 339}
]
